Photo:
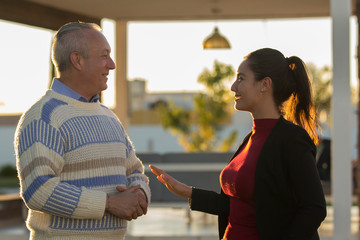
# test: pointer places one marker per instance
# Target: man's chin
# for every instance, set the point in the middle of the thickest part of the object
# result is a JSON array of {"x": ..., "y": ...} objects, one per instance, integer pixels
[{"x": 104, "y": 87}]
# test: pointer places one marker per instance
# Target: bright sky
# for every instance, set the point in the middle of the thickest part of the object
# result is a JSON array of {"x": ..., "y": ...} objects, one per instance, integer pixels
[{"x": 168, "y": 55}]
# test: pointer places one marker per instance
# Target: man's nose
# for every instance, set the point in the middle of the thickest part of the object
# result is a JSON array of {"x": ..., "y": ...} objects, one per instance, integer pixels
[{"x": 111, "y": 64}]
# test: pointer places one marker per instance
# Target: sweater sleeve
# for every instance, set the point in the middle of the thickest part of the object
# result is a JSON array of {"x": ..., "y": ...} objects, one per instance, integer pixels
[
  {"x": 40, "y": 159},
  {"x": 135, "y": 170},
  {"x": 304, "y": 178},
  {"x": 135, "y": 175}
]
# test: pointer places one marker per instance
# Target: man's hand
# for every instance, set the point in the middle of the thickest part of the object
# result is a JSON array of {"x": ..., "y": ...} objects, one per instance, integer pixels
[
  {"x": 127, "y": 203},
  {"x": 140, "y": 192}
]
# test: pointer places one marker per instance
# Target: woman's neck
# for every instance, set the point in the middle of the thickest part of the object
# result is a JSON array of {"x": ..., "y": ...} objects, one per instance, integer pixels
[{"x": 267, "y": 111}]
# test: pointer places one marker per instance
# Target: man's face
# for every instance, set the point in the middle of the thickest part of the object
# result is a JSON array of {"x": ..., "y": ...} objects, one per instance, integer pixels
[{"x": 97, "y": 65}]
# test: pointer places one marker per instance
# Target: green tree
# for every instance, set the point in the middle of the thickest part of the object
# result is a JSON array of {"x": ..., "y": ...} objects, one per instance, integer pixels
[
  {"x": 211, "y": 109},
  {"x": 322, "y": 90}
]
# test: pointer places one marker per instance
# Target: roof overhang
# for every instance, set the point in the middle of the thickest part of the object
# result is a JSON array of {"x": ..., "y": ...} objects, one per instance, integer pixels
[{"x": 52, "y": 14}]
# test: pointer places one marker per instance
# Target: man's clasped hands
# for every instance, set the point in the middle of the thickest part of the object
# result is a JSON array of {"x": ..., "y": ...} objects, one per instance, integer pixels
[{"x": 128, "y": 203}]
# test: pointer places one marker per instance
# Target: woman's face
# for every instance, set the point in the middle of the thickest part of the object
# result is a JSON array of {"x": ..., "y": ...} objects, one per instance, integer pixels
[{"x": 247, "y": 90}]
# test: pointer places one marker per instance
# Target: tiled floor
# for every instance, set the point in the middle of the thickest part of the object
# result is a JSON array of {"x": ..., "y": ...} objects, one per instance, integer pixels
[{"x": 175, "y": 224}]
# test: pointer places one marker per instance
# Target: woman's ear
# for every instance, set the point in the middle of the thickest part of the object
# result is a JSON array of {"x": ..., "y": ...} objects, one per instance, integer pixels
[
  {"x": 76, "y": 60},
  {"x": 266, "y": 84}
]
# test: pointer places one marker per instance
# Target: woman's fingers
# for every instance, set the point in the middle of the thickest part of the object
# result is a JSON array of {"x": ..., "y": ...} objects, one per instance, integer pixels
[
  {"x": 162, "y": 180},
  {"x": 171, "y": 183},
  {"x": 162, "y": 176},
  {"x": 156, "y": 170}
]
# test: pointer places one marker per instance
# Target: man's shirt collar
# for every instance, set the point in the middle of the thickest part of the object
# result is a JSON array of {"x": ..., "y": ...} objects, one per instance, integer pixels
[{"x": 61, "y": 88}]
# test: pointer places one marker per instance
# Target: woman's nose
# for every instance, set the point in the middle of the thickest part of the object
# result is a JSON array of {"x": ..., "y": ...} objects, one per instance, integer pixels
[{"x": 233, "y": 86}]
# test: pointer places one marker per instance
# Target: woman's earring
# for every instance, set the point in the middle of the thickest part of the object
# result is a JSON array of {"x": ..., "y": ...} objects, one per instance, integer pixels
[{"x": 262, "y": 90}]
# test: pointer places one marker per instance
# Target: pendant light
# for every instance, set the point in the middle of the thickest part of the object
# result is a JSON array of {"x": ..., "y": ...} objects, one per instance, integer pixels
[{"x": 216, "y": 41}]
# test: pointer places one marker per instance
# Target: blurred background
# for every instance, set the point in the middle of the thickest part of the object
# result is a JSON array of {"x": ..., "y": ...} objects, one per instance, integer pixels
[{"x": 167, "y": 53}]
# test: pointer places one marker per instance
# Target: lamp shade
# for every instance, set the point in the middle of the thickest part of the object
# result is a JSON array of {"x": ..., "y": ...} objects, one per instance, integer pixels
[{"x": 216, "y": 41}]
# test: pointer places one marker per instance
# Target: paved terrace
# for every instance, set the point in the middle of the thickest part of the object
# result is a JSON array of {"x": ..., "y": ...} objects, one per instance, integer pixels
[{"x": 168, "y": 216}]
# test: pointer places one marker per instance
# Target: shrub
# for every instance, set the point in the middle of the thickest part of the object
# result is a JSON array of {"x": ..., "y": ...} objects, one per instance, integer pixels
[{"x": 8, "y": 171}]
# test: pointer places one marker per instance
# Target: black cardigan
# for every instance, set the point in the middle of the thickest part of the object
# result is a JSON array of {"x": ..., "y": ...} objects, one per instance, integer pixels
[{"x": 289, "y": 200}]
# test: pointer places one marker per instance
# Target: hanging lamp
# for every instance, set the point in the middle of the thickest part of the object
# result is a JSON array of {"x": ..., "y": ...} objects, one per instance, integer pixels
[{"x": 216, "y": 41}]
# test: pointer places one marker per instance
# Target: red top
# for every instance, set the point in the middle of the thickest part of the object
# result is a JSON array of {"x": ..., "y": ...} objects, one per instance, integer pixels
[{"x": 238, "y": 180}]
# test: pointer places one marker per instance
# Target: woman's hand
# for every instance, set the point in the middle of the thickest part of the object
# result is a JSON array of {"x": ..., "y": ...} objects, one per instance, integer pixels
[{"x": 171, "y": 183}]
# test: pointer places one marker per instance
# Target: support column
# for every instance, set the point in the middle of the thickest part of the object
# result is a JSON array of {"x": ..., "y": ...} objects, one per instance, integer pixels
[
  {"x": 341, "y": 111},
  {"x": 121, "y": 86},
  {"x": 358, "y": 106}
]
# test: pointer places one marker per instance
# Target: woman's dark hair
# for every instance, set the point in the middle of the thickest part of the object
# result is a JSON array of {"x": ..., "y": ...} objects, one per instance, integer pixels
[{"x": 291, "y": 86}]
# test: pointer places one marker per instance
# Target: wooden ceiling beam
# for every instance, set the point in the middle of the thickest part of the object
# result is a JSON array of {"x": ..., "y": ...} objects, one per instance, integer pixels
[{"x": 38, "y": 15}]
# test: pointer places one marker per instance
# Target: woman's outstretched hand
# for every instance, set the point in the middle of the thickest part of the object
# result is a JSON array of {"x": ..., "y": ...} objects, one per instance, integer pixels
[{"x": 171, "y": 183}]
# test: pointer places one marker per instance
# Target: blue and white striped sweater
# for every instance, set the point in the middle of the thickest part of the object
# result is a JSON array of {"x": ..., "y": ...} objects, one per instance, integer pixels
[{"x": 70, "y": 154}]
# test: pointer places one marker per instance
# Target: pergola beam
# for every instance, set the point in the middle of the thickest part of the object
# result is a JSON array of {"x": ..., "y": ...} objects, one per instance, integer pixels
[{"x": 34, "y": 14}]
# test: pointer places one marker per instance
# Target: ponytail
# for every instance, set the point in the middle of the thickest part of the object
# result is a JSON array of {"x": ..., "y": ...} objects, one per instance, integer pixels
[{"x": 299, "y": 108}]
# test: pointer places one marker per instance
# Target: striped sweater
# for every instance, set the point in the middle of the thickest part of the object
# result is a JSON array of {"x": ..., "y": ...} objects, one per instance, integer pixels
[{"x": 69, "y": 155}]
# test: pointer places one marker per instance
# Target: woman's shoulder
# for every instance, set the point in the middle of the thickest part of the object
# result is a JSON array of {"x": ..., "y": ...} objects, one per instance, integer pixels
[
  {"x": 290, "y": 128},
  {"x": 291, "y": 132}
]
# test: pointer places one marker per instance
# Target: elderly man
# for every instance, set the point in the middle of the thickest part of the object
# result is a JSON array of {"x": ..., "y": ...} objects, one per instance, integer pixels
[{"x": 79, "y": 174}]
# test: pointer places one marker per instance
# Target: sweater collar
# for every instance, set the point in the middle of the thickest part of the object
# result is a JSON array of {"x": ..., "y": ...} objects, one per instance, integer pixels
[{"x": 264, "y": 124}]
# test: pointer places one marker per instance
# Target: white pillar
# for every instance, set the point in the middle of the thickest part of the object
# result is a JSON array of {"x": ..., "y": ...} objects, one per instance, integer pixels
[
  {"x": 121, "y": 86},
  {"x": 341, "y": 132}
]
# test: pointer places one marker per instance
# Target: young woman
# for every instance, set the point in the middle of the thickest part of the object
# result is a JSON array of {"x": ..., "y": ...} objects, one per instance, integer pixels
[{"x": 270, "y": 190}]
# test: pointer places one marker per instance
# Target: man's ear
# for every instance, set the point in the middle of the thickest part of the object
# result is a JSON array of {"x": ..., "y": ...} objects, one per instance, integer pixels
[{"x": 76, "y": 60}]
